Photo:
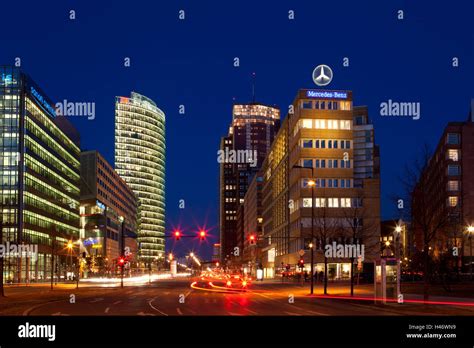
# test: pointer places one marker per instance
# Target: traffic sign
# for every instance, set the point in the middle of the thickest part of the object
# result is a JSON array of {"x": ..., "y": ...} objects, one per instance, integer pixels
[{"x": 301, "y": 252}]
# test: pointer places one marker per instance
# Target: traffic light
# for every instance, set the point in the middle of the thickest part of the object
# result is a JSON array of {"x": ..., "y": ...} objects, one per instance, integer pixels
[
  {"x": 252, "y": 239},
  {"x": 301, "y": 263},
  {"x": 202, "y": 235},
  {"x": 121, "y": 261},
  {"x": 177, "y": 235}
]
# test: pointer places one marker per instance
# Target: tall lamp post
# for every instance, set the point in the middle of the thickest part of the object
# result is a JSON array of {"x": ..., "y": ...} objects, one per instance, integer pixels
[
  {"x": 398, "y": 234},
  {"x": 312, "y": 184},
  {"x": 470, "y": 230}
]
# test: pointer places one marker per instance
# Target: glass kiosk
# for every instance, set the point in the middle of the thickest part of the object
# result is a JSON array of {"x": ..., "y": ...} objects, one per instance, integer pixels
[{"x": 387, "y": 280}]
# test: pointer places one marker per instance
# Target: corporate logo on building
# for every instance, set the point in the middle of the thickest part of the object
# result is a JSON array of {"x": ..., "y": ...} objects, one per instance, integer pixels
[
  {"x": 322, "y": 75},
  {"x": 7, "y": 79},
  {"x": 326, "y": 94},
  {"x": 42, "y": 101}
]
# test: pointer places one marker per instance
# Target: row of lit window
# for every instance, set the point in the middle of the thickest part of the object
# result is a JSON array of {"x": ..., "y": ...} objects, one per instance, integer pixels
[
  {"x": 326, "y": 163},
  {"x": 332, "y": 202},
  {"x": 326, "y": 105},
  {"x": 323, "y": 124},
  {"x": 325, "y": 143},
  {"x": 50, "y": 142},
  {"x": 329, "y": 183},
  {"x": 49, "y": 174}
]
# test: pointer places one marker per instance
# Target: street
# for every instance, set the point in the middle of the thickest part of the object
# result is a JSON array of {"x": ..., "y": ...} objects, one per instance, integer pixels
[{"x": 175, "y": 297}]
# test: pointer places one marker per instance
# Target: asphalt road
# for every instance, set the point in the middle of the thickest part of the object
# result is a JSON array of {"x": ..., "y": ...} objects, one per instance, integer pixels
[{"x": 176, "y": 297}]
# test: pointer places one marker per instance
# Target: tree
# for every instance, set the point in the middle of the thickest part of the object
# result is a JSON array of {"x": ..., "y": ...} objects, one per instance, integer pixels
[
  {"x": 362, "y": 226},
  {"x": 429, "y": 215},
  {"x": 325, "y": 228}
]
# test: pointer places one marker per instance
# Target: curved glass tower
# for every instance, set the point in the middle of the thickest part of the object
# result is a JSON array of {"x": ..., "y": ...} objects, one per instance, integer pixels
[{"x": 140, "y": 161}]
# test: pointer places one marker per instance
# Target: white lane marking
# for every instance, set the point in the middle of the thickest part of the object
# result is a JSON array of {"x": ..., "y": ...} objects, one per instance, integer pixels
[
  {"x": 156, "y": 309},
  {"x": 290, "y": 313},
  {"x": 179, "y": 311},
  {"x": 107, "y": 310},
  {"x": 235, "y": 313},
  {"x": 253, "y": 312},
  {"x": 116, "y": 302},
  {"x": 142, "y": 313},
  {"x": 98, "y": 299},
  {"x": 59, "y": 314}
]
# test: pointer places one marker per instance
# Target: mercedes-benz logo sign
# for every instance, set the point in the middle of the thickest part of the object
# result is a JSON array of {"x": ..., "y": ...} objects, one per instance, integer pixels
[{"x": 322, "y": 75}]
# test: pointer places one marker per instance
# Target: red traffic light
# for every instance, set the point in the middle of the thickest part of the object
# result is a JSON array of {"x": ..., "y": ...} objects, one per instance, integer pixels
[
  {"x": 202, "y": 235},
  {"x": 177, "y": 235},
  {"x": 121, "y": 260},
  {"x": 252, "y": 239}
]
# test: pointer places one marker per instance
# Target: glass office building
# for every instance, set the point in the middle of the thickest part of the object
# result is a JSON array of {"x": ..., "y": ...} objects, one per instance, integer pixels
[
  {"x": 140, "y": 161},
  {"x": 39, "y": 173}
]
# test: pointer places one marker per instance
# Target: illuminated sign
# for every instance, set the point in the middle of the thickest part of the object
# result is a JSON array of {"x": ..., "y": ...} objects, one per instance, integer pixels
[
  {"x": 43, "y": 102},
  {"x": 96, "y": 246},
  {"x": 90, "y": 241},
  {"x": 326, "y": 94},
  {"x": 7, "y": 79},
  {"x": 100, "y": 205}
]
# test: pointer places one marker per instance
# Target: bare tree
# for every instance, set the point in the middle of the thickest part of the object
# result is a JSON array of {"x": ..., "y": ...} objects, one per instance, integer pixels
[
  {"x": 325, "y": 228},
  {"x": 362, "y": 226},
  {"x": 429, "y": 216}
]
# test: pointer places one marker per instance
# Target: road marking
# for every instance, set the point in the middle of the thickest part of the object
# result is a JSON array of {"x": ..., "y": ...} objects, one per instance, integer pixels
[
  {"x": 142, "y": 313},
  {"x": 179, "y": 311},
  {"x": 251, "y": 311},
  {"x": 156, "y": 309},
  {"x": 59, "y": 314},
  {"x": 290, "y": 313},
  {"x": 97, "y": 300},
  {"x": 107, "y": 310},
  {"x": 238, "y": 314},
  {"x": 116, "y": 302}
]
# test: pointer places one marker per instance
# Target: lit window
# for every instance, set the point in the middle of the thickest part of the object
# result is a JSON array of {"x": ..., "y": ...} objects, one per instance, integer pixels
[
  {"x": 332, "y": 124},
  {"x": 453, "y": 185},
  {"x": 453, "y": 155},
  {"x": 453, "y": 201},
  {"x": 307, "y": 123},
  {"x": 345, "y": 202},
  {"x": 307, "y": 203},
  {"x": 320, "y": 124},
  {"x": 333, "y": 202},
  {"x": 320, "y": 202}
]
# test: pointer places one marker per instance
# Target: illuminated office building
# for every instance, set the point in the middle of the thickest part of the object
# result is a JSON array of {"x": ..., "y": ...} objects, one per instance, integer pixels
[
  {"x": 328, "y": 146},
  {"x": 250, "y": 136},
  {"x": 40, "y": 174},
  {"x": 140, "y": 161},
  {"x": 108, "y": 214}
]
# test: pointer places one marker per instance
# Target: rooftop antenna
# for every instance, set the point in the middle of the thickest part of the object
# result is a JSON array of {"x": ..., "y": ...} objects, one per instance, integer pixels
[{"x": 253, "y": 86}]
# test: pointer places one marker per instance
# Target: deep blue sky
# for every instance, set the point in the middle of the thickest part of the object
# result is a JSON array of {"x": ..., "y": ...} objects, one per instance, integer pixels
[{"x": 190, "y": 62}]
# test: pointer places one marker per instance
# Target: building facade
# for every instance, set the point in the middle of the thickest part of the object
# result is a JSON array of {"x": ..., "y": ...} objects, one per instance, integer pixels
[
  {"x": 40, "y": 174},
  {"x": 108, "y": 210},
  {"x": 321, "y": 186},
  {"x": 140, "y": 161},
  {"x": 446, "y": 190},
  {"x": 242, "y": 153}
]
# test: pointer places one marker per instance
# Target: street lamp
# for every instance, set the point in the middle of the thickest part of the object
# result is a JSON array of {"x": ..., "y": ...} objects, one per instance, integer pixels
[
  {"x": 69, "y": 247},
  {"x": 312, "y": 184},
  {"x": 470, "y": 230}
]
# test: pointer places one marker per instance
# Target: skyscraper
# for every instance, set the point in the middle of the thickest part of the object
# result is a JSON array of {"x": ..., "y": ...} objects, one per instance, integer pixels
[
  {"x": 140, "y": 161},
  {"x": 39, "y": 175},
  {"x": 250, "y": 136}
]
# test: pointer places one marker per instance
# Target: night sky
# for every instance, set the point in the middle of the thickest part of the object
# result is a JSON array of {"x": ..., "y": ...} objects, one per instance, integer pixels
[{"x": 190, "y": 62}]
